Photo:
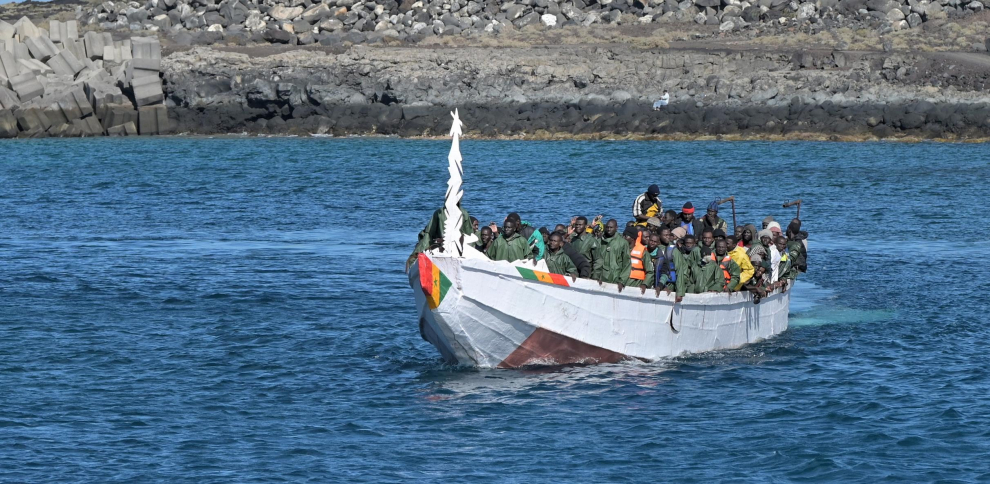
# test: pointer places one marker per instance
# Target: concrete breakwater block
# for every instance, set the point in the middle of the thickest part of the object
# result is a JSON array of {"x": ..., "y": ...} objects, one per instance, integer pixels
[
  {"x": 146, "y": 48},
  {"x": 8, "y": 124},
  {"x": 117, "y": 114},
  {"x": 8, "y": 99},
  {"x": 147, "y": 90},
  {"x": 95, "y": 43},
  {"x": 153, "y": 120},
  {"x": 138, "y": 68},
  {"x": 65, "y": 64},
  {"x": 32, "y": 119},
  {"x": 63, "y": 31},
  {"x": 34, "y": 66},
  {"x": 7, "y": 31},
  {"x": 8, "y": 65},
  {"x": 41, "y": 48},
  {"x": 126, "y": 129},
  {"x": 88, "y": 126},
  {"x": 26, "y": 29},
  {"x": 27, "y": 86}
]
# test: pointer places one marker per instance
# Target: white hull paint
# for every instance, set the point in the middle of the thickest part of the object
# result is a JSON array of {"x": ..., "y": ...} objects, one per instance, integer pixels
[{"x": 491, "y": 316}]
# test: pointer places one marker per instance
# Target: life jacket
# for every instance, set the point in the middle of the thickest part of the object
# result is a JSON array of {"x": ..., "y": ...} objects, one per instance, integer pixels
[
  {"x": 725, "y": 267},
  {"x": 636, "y": 255}
]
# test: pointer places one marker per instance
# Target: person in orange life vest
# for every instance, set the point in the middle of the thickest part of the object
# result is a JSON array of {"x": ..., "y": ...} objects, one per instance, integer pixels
[
  {"x": 647, "y": 205},
  {"x": 693, "y": 225},
  {"x": 720, "y": 272},
  {"x": 640, "y": 262}
]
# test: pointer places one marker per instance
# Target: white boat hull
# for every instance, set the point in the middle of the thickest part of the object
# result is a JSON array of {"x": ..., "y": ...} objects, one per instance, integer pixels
[{"x": 491, "y": 316}]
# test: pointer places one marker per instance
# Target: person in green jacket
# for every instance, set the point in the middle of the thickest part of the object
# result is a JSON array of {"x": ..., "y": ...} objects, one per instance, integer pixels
[
  {"x": 787, "y": 270},
  {"x": 711, "y": 220},
  {"x": 510, "y": 246},
  {"x": 612, "y": 262},
  {"x": 582, "y": 240},
  {"x": 557, "y": 260},
  {"x": 716, "y": 265},
  {"x": 687, "y": 260},
  {"x": 432, "y": 234}
]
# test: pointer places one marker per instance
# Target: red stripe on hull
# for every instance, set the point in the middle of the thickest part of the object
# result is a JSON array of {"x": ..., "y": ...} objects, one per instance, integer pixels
[{"x": 546, "y": 347}]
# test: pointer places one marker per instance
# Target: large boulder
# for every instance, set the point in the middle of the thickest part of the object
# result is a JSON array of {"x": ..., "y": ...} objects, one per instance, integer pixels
[{"x": 283, "y": 13}]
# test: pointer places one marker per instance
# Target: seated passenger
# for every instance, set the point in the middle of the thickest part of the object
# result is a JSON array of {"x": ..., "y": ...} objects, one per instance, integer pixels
[
  {"x": 707, "y": 242},
  {"x": 740, "y": 257},
  {"x": 688, "y": 222},
  {"x": 687, "y": 259},
  {"x": 720, "y": 272},
  {"x": 557, "y": 261},
  {"x": 583, "y": 240}
]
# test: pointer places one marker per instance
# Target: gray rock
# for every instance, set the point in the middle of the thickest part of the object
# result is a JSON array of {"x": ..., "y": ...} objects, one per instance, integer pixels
[
  {"x": 708, "y": 3},
  {"x": 279, "y": 37}
]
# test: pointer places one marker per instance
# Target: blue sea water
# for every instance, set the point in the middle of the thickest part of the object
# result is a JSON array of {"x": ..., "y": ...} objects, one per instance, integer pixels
[{"x": 235, "y": 310}]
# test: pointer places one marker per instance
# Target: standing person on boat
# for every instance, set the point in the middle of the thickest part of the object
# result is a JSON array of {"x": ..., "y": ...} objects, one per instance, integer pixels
[
  {"x": 612, "y": 262},
  {"x": 663, "y": 261},
  {"x": 647, "y": 205},
  {"x": 720, "y": 272},
  {"x": 585, "y": 242},
  {"x": 785, "y": 273},
  {"x": 712, "y": 220},
  {"x": 474, "y": 226},
  {"x": 557, "y": 261},
  {"x": 533, "y": 236},
  {"x": 687, "y": 259},
  {"x": 741, "y": 258},
  {"x": 432, "y": 234},
  {"x": 761, "y": 246},
  {"x": 688, "y": 222},
  {"x": 509, "y": 246},
  {"x": 640, "y": 263},
  {"x": 746, "y": 237},
  {"x": 485, "y": 240},
  {"x": 797, "y": 245}
]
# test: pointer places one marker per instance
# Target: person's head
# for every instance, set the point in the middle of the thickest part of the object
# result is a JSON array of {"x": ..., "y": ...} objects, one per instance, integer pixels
[
  {"x": 730, "y": 240},
  {"x": 707, "y": 238},
  {"x": 560, "y": 228},
  {"x": 580, "y": 224},
  {"x": 721, "y": 248},
  {"x": 653, "y": 224},
  {"x": 793, "y": 228},
  {"x": 758, "y": 267},
  {"x": 611, "y": 227},
  {"x": 766, "y": 237},
  {"x": 486, "y": 235},
  {"x": 678, "y": 233},
  {"x": 509, "y": 228},
  {"x": 766, "y": 222},
  {"x": 687, "y": 212},
  {"x": 669, "y": 216},
  {"x": 780, "y": 242},
  {"x": 712, "y": 210},
  {"x": 556, "y": 241},
  {"x": 630, "y": 234},
  {"x": 718, "y": 234},
  {"x": 690, "y": 242},
  {"x": 665, "y": 236},
  {"x": 544, "y": 232},
  {"x": 775, "y": 228},
  {"x": 515, "y": 218},
  {"x": 653, "y": 193},
  {"x": 737, "y": 231},
  {"x": 474, "y": 224},
  {"x": 654, "y": 241},
  {"x": 747, "y": 235}
]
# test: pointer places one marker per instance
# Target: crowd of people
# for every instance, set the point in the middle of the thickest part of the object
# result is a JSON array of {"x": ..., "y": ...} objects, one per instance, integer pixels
[{"x": 659, "y": 250}]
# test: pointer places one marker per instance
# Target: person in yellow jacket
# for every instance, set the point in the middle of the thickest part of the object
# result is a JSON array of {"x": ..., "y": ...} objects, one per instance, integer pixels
[
  {"x": 647, "y": 205},
  {"x": 740, "y": 256}
]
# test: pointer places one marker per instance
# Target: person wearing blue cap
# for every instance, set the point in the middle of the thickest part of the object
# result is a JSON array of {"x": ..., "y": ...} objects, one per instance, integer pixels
[
  {"x": 712, "y": 221},
  {"x": 647, "y": 205}
]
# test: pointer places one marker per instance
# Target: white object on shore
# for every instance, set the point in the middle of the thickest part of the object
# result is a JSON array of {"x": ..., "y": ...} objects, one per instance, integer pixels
[{"x": 500, "y": 315}]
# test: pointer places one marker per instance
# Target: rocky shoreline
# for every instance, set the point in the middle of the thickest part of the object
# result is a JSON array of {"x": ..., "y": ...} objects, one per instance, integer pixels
[
  {"x": 811, "y": 80},
  {"x": 606, "y": 92}
]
